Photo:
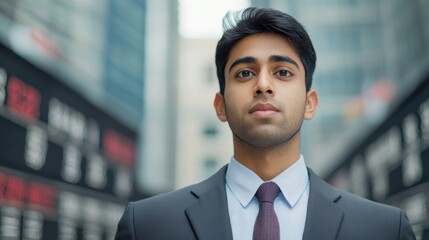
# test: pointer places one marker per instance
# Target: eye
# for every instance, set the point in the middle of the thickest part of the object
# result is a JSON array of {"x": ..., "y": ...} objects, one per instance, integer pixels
[
  {"x": 245, "y": 74},
  {"x": 284, "y": 73}
]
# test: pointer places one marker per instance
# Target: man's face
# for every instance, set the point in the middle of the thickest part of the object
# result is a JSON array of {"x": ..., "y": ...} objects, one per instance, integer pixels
[{"x": 265, "y": 96}]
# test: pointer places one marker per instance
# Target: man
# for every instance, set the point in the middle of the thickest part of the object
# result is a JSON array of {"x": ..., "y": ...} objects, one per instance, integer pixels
[{"x": 265, "y": 61}]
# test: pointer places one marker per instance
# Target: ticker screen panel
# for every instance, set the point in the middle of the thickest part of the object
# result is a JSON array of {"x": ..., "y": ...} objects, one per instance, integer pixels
[
  {"x": 391, "y": 165},
  {"x": 66, "y": 166}
]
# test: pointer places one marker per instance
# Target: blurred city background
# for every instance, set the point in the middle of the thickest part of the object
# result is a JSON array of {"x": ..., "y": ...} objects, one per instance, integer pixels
[{"x": 107, "y": 101}]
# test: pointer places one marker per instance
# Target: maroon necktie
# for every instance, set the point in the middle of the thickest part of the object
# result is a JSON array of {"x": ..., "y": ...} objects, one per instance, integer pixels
[{"x": 266, "y": 224}]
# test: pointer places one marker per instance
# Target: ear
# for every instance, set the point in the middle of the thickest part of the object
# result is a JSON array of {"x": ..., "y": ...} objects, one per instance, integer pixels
[
  {"x": 311, "y": 104},
  {"x": 219, "y": 106}
]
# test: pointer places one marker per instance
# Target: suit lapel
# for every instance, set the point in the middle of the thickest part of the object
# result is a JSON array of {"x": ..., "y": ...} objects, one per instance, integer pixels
[
  {"x": 209, "y": 215},
  {"x": 324, "y": 217}
]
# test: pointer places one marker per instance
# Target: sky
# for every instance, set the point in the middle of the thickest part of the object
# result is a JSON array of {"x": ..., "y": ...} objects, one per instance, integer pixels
[{"x": 203, "y": 18}]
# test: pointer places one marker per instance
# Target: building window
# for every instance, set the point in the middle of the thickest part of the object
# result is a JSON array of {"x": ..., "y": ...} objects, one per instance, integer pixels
[
  {"x": 210, "y": 130},
  {"x": 209, "y": 166}
]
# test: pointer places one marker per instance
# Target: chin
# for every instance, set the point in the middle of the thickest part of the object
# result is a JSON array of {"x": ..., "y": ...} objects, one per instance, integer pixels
[{"x": 264, "y": 139}]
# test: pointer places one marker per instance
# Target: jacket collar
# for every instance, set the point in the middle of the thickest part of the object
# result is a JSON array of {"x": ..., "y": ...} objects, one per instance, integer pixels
[
  {"x": 209, "y": 215},
  {"x": 322, "y": 209}
]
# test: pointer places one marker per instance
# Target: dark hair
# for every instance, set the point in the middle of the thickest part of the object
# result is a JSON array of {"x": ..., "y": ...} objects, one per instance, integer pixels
[{"x": 253, "y": 20}]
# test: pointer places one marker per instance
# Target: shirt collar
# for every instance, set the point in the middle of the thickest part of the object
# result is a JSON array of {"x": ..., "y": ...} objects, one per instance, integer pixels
[{"x": 244, "y": 183}]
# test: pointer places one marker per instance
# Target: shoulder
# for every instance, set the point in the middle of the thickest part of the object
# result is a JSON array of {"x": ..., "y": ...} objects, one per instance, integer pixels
[
  {"x": 163, "y": 216},
  {"x": 357, "y": 205},
  {"x": 178, "y": 200},
  {"x": 347, "y": 201},
  {"x": 166, "y": 201},
  {"x": 363, "y": 218},
  {"x": 368, "y": 218},
  {"x": 158, "y": 217}
]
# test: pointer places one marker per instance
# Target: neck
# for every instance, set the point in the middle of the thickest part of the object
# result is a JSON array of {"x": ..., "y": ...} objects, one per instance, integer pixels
[{"x": 269, "y": 162}]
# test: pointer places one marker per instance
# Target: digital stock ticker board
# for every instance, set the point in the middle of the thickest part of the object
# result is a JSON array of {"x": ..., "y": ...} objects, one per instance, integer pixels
[
  {"x": 391, "y": 164},
  {"x": 66, "y": 166}
]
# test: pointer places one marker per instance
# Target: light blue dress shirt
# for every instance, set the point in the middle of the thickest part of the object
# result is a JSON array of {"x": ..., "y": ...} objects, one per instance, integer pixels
[{"x": 290, "y": 205}]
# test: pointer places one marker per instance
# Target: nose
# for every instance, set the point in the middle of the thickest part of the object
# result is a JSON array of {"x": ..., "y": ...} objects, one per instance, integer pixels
[{"x": 264, "y": 85}]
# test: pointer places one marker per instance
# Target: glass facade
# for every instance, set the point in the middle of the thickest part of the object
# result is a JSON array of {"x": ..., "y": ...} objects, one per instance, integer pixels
[
  {"x": 124, "y": 56},
  {"x": 95, "y": 46}
]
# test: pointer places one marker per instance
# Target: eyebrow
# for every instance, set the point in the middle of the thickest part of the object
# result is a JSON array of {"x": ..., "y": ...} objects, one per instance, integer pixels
[
  {"x": 279, "y": 58},
  {"x": 242, "y": 60},
  {"x": 273, "y": 59}
]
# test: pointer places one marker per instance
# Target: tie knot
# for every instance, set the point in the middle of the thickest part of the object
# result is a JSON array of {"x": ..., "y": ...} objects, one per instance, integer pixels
[{"x": 267, "y": 192}]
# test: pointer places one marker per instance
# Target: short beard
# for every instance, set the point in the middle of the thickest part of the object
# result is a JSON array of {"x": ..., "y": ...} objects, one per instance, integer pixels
[{"x": 265, "y": 143}]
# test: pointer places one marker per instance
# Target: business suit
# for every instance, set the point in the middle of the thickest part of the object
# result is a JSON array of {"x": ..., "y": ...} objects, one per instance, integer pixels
[{"x": 200, "y": 211}]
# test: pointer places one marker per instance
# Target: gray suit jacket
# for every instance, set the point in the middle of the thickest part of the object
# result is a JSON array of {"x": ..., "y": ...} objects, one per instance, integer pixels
[{"x": 200, "y": 211}]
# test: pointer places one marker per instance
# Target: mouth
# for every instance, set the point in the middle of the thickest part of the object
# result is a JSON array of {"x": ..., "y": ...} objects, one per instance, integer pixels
[{"x": 263, "y": 110}]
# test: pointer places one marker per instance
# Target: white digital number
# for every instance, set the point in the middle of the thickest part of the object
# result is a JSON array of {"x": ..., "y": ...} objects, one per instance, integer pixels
[
  {"x": 33, "y": 225},
  {"x": 69, "y": 210},
  {"x": 96, "y": 172},
  {"x": 67, "y": 229},
  {"x": 70, "y": 205},
  {"x": 63, "y": 118},
  {"x": 412, "y": 169},
  {"x": 3, "y": 78},
  {"x": 71, "y": 171},
  {"x": 123, "y": 183},
  {"x": 92, "y": 231},
  {"x": 36, "y": 147},
  {"x": 410, "y": 129},
  {"x": 10, "y": 223},
  {"x": 94, "y": 214},
  {"x": 424, "y": 116}
]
